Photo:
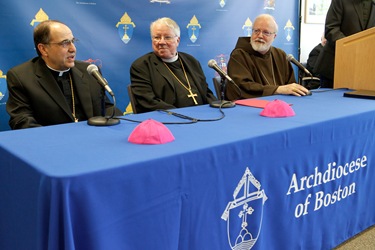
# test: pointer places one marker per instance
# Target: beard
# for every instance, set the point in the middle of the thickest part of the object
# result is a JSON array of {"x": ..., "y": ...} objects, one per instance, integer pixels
[{"x": 260, "y": 45}]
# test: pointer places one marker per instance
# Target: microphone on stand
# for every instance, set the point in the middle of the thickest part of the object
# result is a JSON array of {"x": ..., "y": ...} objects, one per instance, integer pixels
[
  {"x": 224, "y": 77},
  {"x": 310, "y": 78},
  {"x": 213, "y": 64},
  {"x": 291, "y": 59},
  {"x": 93, "y": 70}
]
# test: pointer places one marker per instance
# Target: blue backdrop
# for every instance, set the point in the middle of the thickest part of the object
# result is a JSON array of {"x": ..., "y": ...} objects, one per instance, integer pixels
[{"x": 112, "y": 34}]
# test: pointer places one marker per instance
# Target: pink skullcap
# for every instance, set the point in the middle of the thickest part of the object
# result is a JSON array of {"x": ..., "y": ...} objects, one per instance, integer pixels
[
  {"x": 151, "y": 132},
  {"x": 277, "y": 108}
]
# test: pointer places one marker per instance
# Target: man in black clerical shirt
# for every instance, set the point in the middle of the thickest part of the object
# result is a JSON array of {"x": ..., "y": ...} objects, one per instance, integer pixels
[
  {"x": 165, "y": 78},
  {"x": 53, "y": 88}
]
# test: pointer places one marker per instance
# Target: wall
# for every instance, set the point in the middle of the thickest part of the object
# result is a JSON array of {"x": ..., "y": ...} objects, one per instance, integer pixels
[
  {"x": 310, "y": 33},
  {"x": 209, "y": 30}
]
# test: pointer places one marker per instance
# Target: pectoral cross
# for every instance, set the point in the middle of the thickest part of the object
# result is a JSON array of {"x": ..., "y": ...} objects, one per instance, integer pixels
[{"x": 191, "y": 95}]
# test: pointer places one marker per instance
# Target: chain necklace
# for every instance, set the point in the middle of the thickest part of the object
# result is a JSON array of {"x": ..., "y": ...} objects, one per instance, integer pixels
[
  {"x": 273, "y": 75},
  {"x": 191, "y": 94},
  {"x": 73, "y": 101}
]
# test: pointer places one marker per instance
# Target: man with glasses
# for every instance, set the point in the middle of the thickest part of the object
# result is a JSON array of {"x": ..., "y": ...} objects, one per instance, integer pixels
[
  {"x": 165, "y": 78},
  {"x": 53, "y": 88},
  {"x": 258, "y": 68}
]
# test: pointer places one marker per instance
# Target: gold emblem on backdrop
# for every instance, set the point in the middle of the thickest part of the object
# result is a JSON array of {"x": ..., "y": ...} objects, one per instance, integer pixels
[
  {"x": 125, "y": 28},
  {"x": 289, "y": 28},
  {"x": 39, "y": 17},
  {"x": 193, "y": 29},
  {"x": 3, "y": 85},
  {"x": 247, "y": 27}
]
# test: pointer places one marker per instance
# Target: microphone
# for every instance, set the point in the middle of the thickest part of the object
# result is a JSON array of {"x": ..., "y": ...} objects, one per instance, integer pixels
[
  {"x": 221, "y": 103},
  {"x": 291, "y": 59},
  {"x": 93, "y": 70},
  {"x": 212, "y": 64}
]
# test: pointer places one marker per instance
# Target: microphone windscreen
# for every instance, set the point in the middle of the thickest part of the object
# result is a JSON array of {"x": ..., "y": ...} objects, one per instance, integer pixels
[
  {"x": 91, "y": 68},
  {"x": 211, "y": 63},
  {"x": 289, "y": 57}
]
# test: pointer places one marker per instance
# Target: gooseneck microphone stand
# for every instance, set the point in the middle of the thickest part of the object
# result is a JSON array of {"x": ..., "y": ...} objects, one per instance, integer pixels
[
  {"x": 105, "y": 120},
  {"x": 222, "y": 103},
  {"x": 308, "y": 80}
]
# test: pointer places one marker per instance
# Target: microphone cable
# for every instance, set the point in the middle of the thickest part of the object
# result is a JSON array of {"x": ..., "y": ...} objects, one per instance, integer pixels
[
  {"x": 114, "y": 109},
  {"x": 238, "y": 91},
  {"x": 190, "y": 119},
  {"x": 104, "y": 120}
]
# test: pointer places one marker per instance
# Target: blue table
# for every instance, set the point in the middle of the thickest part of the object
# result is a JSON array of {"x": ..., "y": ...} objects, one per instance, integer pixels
[{"x": 303, "y": 182}]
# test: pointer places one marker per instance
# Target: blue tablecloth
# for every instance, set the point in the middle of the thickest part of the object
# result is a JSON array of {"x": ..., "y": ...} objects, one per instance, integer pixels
[{"x": 246, "y": 181}]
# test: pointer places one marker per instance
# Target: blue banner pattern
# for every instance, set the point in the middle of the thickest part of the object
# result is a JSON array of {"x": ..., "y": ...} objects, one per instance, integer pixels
[{"x": 112, "y": 34}]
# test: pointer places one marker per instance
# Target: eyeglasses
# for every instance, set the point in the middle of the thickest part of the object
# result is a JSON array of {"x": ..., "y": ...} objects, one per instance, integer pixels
[
  {"x": 166, "y": 38},
  {"x": 264, "y": 32},
  {"x": 66, "y": 43}
]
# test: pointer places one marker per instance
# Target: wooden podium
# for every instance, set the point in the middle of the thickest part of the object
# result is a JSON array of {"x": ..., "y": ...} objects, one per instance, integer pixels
[{"x": 355, "y": 64}]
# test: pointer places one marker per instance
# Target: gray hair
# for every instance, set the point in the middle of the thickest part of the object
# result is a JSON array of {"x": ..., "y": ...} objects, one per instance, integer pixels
[
  {"x": 168, "y": 22},
  {"x": 269, "y": 17}
]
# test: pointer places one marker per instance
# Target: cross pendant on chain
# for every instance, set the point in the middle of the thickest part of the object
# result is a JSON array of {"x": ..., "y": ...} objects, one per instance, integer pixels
[{"x": 191, "y": 95}]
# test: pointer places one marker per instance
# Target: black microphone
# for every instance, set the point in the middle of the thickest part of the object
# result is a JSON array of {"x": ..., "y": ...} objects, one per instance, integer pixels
[
  {"x": 221, "y": 103},
  {"x": 93, "y": 70},
  {"x": 291, "y": 59},
  {"x": 212, "y": 64}
]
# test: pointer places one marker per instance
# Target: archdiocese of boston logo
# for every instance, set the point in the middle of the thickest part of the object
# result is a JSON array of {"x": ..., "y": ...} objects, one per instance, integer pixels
[
  {"x": 247, "y": 27},
  {"x": 222, "y": 3},
  {"x": 39, "y": 17},
  {"x": 289, "y": 30},
  {"x": 3, "y": 85},
  {"x": 244, "y": 214},
  {"x": 193, "y": 29},
  {"x": 125, "y": 28},
  {"x": 269, "y": 4}
]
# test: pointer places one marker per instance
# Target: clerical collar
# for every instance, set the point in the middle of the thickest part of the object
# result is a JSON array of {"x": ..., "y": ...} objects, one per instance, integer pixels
[
  {"x": 60, "y": 72},
  {"x": 170, "y": 60}
]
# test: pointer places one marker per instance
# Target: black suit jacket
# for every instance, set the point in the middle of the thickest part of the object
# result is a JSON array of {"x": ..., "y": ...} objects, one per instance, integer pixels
[
  {"x": 35, "y": 98},
  {"x": 344, "y": 18},
  {"x": 152, "y": 83},
  {"x": 311, "y": 60}
]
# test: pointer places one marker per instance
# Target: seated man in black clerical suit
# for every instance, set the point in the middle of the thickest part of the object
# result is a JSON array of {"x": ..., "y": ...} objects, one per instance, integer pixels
[
  {"x": 165, "y": 78},
  {"x": 53, "y": 88}
]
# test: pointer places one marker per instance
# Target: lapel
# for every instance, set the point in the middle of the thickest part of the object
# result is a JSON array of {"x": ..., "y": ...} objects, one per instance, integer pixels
[
  {"x": 81, "y": 84},
  {"x": 48, "y": 83},
  {"x": 371, "y": 19},
  {"x": 162, "y": 69},
  {"x": 191, "y": 71},
  {"x": 357, "y": 4}
]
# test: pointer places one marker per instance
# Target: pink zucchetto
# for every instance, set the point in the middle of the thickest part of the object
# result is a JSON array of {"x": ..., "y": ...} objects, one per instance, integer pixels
[
  {"x": 151, "y": 132},
  {"x": 277, "y": 108}
]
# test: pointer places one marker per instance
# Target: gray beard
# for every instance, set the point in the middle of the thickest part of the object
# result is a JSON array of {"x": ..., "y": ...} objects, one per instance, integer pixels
[{"x": 260, "y": 47}]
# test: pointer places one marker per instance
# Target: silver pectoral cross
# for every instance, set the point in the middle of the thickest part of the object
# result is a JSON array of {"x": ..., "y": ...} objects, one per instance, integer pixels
[{"x": 191, "y": 95}]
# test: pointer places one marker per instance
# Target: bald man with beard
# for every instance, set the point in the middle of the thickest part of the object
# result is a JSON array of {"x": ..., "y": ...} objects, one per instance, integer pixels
[{"x": 258, "y": 68}]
